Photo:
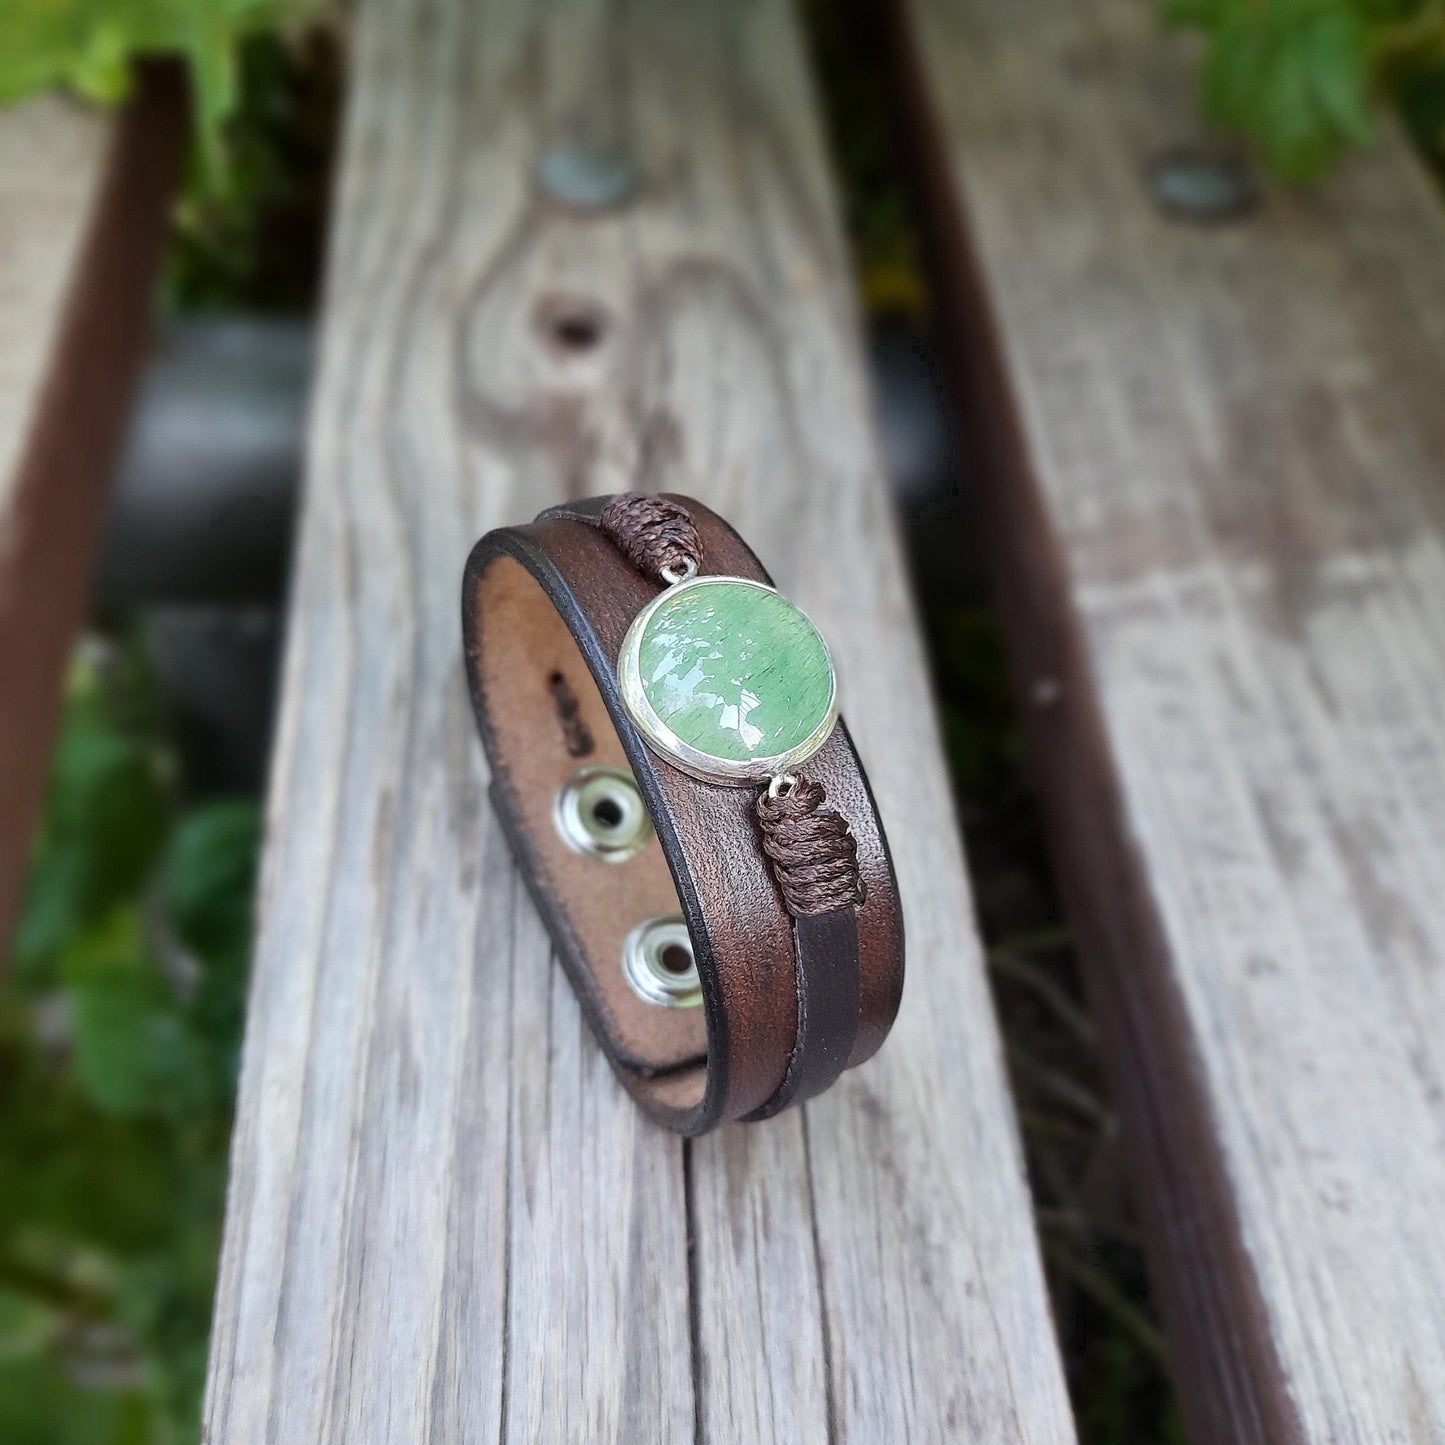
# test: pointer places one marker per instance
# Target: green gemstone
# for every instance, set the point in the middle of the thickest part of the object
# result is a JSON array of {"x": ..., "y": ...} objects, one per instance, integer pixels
[{"x": 735, "y": 670}]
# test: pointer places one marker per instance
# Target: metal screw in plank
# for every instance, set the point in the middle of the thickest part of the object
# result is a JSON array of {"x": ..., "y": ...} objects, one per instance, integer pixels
[
  {"x": 1200, "y": 185},
  {"x": 586, "y": 179}
]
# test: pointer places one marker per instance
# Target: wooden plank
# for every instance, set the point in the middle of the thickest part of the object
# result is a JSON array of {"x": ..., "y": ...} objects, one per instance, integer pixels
[
  {"x": 446, "y": 1221},
  {"x": 83, "y": 204},
  {"x": 1210, "y": 465}
]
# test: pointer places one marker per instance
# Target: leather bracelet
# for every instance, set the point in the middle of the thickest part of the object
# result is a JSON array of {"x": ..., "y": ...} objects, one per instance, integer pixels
[{"x": 690, "y": 816}]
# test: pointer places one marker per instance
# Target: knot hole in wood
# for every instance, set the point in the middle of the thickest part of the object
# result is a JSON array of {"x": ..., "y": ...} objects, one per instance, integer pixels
[{"x": 571, "y": 327}]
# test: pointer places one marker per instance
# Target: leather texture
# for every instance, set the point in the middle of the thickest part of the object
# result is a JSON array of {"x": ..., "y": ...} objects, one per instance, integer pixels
[{"x": 785, "y": 1007}]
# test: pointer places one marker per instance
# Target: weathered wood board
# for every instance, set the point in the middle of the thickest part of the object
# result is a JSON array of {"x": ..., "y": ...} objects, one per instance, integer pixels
[
  {"x": 1212, "y": 467},
  {"x": 83, "y": 200},
  {"x": 446, "y": 1221}
]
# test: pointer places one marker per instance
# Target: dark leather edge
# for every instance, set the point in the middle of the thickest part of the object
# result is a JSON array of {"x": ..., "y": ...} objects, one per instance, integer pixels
[{"x": 873, "y": 1031}]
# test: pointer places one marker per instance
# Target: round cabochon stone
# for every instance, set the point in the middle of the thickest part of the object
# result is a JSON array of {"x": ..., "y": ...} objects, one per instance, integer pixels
[{"x": 734, "y": 670}]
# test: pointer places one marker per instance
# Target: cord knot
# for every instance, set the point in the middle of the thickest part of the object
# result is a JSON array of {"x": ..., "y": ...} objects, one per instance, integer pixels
[
  {"x": 814, "y": 855},
  {"x": 654, "y": 534}
]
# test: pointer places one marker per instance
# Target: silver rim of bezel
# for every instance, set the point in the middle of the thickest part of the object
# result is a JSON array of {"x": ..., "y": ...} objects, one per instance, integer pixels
[{"x": 661, "y": 738}]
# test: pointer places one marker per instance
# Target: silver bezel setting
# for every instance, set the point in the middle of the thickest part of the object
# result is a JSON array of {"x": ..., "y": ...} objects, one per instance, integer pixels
[{"x": 661, "y": 738}]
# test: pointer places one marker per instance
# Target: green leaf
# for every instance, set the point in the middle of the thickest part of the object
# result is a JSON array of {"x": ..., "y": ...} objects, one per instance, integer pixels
[
  {"x": 26, "y": 1327},
  {"x": 46, "y": 1408},
  {"x": 111, "y": 951},
  {"x": 117, "y": 1038},
  {"x": 208, "y": 875},
  {"x": 1300, "y": 76},
  {"x": 134, "y": 1053},
  {"x": 1188, "y": 12},
  {"x": 105, "y": 820},
  {"x": 208, "y": 881},
  {"x": 89, "y": 46},
  {"x": 117, "y": 1063}
]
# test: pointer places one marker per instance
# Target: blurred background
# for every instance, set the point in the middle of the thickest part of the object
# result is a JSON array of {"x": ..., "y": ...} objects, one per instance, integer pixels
[{"x": 121, "y": 1005}]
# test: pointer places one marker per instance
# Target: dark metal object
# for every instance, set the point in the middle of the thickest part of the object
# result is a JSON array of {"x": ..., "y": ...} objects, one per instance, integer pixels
[
  {"x": 199, "y": 531},
  {"x": 586, "y": 179},
  {"x": 1202, "y": 185},
  {"x": 910, "y": 405},
  {"x": 203, "y": 498},
  {"x": 217, "y": 671},
  {"x": 205, "y": 492}
]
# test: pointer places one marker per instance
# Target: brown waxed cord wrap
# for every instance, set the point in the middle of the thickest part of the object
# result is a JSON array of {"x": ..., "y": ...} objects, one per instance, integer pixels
[
  {"x": 813, "y": 853},
  {"x": 653, "y": 533}
]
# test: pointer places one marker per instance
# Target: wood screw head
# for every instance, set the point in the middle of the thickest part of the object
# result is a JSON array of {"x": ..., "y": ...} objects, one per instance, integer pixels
[
  {"x": 585, "y": 179},
  {"x": 1200, "y": 185}
]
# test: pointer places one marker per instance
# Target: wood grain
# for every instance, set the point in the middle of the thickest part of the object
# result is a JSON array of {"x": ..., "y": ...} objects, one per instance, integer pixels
[
  {"x": 1210, "y": 469},
  {"x": 83, "y": 206},
  {"x": 446, "y": 1220}
]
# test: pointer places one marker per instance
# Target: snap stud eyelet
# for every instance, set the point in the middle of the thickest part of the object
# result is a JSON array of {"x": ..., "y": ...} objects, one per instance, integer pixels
[
  {"x": 658, "y": 963},
  {"x": 599, "y": 812}
]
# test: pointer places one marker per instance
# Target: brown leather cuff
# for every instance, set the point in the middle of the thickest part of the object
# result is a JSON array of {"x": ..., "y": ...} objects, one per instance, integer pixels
[{"x": 786, "y": 1003}]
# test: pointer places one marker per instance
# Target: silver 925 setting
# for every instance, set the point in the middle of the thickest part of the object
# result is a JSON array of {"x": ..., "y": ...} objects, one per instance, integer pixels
[{"x": 728, "y": 680}]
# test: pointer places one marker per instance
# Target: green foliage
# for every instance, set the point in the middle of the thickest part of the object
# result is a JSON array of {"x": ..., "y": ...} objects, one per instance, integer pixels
[
  {"x": 89, "y": 45},
  {"x": 1302, "y": 77},
  {"x": 106, "y": 812},
  {"x": 248, "y": 235},
  {"x": 247, "y": 227},
  {"x": 119, "y": 1031}
]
